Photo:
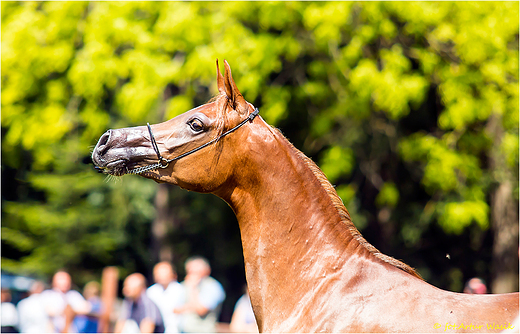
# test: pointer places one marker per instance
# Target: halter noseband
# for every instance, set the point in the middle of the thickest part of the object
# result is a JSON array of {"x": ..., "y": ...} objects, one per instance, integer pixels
[{"x": 163, "y": 162}]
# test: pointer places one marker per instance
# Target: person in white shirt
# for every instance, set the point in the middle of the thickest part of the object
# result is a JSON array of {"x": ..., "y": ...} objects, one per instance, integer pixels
[
  {"x": 31, "y": 311},
  {"x": 62, "y": 303},
  {"x": 9, "y": 315},
  {"x": 167, "y": 294}
]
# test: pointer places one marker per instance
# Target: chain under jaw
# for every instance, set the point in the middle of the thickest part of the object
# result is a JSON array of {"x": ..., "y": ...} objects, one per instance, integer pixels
[{"x": 163, "y": 163}]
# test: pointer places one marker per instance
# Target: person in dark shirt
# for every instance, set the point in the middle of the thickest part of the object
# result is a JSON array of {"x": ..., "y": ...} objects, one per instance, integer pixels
[{"x": 138, "y": 310}]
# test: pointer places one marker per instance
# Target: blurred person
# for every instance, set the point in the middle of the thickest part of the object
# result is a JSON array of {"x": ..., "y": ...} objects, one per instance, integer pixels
[
  {"x": 475, "y": 286},
  {"x": 62, "y": 304},
  {"x": 9, "y": 313},
  {"x": 204, "y": 297},
  {"x": 243, "y": 319},
  {"x": 31, "y": 311},
  {"x": 167, "y": 294},
  {"x": 88, "y": 323},
  {"x": 138, "y": 312}
]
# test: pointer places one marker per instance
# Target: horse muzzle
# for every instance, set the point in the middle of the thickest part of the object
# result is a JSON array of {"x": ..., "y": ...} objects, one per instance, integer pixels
[{"x": 121, "y": 150}]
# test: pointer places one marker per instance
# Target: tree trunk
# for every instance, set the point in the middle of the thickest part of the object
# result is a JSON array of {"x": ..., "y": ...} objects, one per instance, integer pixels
[
  {"x": 161, "y": 249},
  {"x": 504, "y": 220},
  {"x": 504, "y": 216}
]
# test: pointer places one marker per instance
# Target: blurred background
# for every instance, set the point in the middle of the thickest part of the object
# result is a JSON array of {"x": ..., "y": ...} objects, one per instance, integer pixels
[{"x": 410, "y": 108}]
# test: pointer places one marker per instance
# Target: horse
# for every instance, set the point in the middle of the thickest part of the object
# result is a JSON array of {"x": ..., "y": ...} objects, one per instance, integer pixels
[{"x": 307, "y": 267}]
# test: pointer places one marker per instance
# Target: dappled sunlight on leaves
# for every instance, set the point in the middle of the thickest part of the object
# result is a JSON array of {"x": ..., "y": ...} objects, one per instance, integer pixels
[{"x": 455, "y": 216}]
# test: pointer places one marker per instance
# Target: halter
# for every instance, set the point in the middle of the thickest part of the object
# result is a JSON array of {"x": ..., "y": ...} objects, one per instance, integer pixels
[{"x": 163, "y": 162}]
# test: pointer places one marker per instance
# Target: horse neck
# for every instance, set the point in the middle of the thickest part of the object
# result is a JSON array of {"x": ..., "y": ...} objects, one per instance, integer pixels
[
  {"x": 292, "y": 232},
  {"x": 279, "y": 191}
]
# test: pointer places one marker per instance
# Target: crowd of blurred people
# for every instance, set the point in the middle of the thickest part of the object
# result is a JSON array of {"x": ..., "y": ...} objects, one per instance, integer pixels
[{"x": 167, "y": 306}]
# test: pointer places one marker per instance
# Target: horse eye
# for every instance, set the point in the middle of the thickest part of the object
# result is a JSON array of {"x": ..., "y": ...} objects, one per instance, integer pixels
[{"x": 196, "y": 125}]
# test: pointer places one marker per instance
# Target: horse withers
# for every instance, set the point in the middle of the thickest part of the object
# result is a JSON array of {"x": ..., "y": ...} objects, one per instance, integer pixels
[{"x": 307, "y": 266}]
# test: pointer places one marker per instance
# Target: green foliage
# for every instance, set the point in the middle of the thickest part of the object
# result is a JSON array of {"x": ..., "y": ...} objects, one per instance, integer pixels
[
  {"x": 394, "y": 99},
  {"x": 446, "y": 169},
  {"x": 336, "y": 162},
  {"x": 391, "y": 89},
  {"x": 388, "y": 195},
  {"x": 456, "y": 216}
]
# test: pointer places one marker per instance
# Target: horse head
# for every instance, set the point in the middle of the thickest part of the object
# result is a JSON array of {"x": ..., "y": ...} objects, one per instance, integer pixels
[{"x": 192, "y": 150}]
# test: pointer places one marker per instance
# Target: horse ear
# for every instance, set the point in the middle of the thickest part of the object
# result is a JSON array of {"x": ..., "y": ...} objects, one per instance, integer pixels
[
  {"x": 232, "y": 92},
  {"x": 220, "y": 81}
]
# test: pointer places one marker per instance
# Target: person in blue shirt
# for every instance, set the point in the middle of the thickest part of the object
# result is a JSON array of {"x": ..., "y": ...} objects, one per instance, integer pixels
[
  {"x": 88, "y": 323},
  {"x": 243, "y": 319},
  {"x": 204, "y": 296}
]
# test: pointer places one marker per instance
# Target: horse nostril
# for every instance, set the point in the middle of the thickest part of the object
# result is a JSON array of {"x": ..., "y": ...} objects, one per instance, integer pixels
[
  {"x": 101, "y": 145},
  {"x": 104, "y": 138}
]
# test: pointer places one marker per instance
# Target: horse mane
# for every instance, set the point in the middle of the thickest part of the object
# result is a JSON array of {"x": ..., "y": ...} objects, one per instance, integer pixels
[
  {"x": 345, "y": 216},
  {"x": 327, "y": 186}
]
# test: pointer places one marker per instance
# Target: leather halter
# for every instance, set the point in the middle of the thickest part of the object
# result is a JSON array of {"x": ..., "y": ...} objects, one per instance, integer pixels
[{"x": 163, "y": 162}]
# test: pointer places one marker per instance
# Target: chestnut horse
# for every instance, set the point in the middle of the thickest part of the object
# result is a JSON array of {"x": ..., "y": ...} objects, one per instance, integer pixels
[{"x": 308, "y": 268}]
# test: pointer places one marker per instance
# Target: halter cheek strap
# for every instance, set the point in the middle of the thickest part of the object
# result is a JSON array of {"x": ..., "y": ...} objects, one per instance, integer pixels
[{"x": 163, "y": 162}]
